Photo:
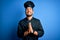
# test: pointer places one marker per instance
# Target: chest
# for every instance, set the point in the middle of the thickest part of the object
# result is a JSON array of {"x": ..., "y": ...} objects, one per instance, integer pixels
[{"x": 34, "y": 25}]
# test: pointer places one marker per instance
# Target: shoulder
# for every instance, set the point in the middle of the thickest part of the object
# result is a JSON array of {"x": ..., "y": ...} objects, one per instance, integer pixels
[
  {"x": 36, "y": 19},
  {"x": 22, "y": 21}
]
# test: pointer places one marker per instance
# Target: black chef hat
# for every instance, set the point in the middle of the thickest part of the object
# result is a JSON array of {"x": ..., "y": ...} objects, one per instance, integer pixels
[{"x": 29, "y": 4}]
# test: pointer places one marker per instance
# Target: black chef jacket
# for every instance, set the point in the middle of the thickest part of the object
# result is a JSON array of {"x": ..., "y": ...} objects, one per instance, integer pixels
[{"x": 23, "y": 26}]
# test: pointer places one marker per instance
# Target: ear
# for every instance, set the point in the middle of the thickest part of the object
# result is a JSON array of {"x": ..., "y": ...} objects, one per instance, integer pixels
[{"x": 33, "y": 12}]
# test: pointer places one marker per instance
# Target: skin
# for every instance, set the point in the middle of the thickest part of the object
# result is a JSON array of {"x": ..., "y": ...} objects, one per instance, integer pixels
[{"x": 29, "y": 13}]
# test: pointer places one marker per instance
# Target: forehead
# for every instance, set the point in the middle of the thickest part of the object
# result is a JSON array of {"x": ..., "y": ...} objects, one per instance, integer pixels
[{"x": 29, "y": 8}]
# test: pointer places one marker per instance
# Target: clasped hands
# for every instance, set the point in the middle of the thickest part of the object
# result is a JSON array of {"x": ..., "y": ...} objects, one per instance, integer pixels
[{"x": 30, "y": 30}]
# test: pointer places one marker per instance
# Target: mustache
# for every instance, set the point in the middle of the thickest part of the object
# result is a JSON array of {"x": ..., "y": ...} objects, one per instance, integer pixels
[{"x": 29, "y": 12}]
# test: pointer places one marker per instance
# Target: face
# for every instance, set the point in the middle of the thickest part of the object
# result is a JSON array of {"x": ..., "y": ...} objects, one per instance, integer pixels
[{"x": 29, "y": 11}]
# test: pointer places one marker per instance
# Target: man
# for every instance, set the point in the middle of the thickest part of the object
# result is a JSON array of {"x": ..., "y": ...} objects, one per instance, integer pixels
[{"x": 30, "y": 28}]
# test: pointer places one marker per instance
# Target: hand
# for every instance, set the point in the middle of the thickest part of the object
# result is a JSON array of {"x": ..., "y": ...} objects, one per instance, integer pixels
[
  {"x": 30, "y": 27},
  {"x": 30, "y": 30},
  {"x": 35, "y": 33},
  {"x": 26, "y": 33}
]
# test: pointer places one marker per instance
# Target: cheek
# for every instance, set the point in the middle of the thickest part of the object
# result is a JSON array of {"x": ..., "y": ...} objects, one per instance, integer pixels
[
  {"x": 31, "y": 11},
  {"x": 26, "y": 11}
]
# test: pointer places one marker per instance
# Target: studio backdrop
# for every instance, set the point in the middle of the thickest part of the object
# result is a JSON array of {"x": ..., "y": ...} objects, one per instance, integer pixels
[{"x": 48, "y": 11}]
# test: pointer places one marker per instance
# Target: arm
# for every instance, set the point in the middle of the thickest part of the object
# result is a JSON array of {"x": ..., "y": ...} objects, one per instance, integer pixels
[
  {"x": 40, "y": 30},
  {"x": 30, "y": 30},
  {"x": 26, "y": 32},
  {"x": 20, "y": 31}
]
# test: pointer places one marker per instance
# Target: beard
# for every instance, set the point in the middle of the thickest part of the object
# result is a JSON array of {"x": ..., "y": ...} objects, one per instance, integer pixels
[{"x": 29, "y": 15}]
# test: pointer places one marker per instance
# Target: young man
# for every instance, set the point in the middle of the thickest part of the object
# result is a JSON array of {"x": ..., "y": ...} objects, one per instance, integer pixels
[{"x": 30, "y": 28}]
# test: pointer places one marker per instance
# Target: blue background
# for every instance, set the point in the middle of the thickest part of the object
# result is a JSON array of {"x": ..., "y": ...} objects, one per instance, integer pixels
[{"x": 48, "y": 11}]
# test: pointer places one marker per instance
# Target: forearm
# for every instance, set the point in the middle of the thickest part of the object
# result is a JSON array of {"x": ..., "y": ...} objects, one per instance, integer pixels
[{"x": 38, "y": 33}]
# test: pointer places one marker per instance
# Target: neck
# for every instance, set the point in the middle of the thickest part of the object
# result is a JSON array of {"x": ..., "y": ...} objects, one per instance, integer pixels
[{"x": 29, "y": 18}]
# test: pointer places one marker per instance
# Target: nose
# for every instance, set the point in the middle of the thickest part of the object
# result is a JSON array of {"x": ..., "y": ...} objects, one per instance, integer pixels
[{"x": 28, "y": 10}]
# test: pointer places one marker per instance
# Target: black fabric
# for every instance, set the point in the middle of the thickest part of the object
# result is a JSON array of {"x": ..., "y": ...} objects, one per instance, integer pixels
[
  {"x": 23, "y": 26},
  {"x": 29, "y": 4}
]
